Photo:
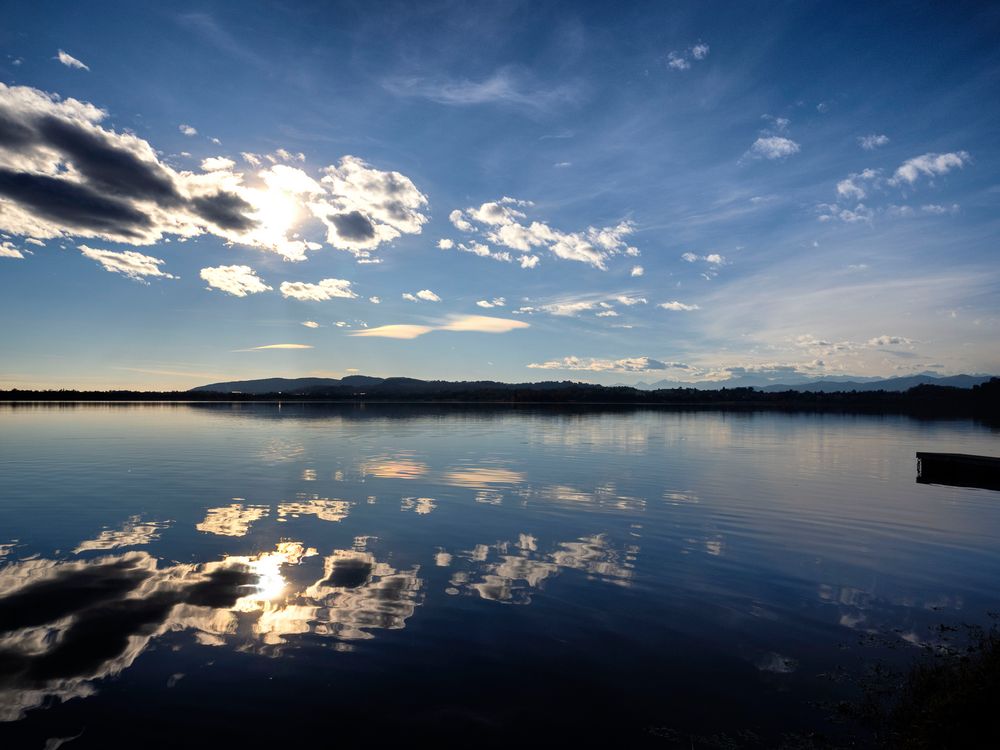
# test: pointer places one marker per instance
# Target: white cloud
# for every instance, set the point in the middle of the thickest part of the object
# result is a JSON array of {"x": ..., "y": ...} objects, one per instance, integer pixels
[
  {"x": 568, "y": 309},
  {"x": 637, "y": 271},
  {"x": 677, "y": 306},
  {"x": 375, "y": 300},
  {"x": 217, "y": 163},
  {"x": 854, "y": 187},
  {"x": 628, "y": 364},
  {"x": 365, "y": 207},
  {"x": 324, "y": 290},
  {"x": 69, "y": 61},
  {"x": 495, "y": 302},
  {"x": 886, "y": 340},
  {"x": 187, "y": 130},
  {"x": 238, "y": 281},
  {"x": 459, "y": 222},
  {"x": 930, "y": 165},
  {"x": 128, "y": 263},
  {"x": 873, "y": 141},
  {"x": 773, "y": 147},
  {"x": 310, "y": 324},
  {"x": 424, "y": 294},
  {"x": 629, "y": 301},
  {"x": 607, "y": 314},
  {"x": 502, "y": 223},
  {"x": 713, "y": 259},
  {"x": 7, "y": 250},
  {"x": 860, "y": 213},
  {"x": 681, "y": 60},
  {"x": 446, "y": 244},
  {"x": 483, "y": 251},
  {"x": 69, "y": 175}
]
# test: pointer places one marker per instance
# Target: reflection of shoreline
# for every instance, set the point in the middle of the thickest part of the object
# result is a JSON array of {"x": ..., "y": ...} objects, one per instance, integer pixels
[{"x": 403, "y": 411}]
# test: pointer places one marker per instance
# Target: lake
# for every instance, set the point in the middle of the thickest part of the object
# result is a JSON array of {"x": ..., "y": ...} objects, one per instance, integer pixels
[{"x": 315, "y": 575}]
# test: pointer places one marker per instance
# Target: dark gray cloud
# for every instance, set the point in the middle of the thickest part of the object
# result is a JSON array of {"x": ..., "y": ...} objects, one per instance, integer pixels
[
  {"x": 105, "y": 166},
  {"x": 64, "y": 170},
  {"x": 12, "y": 132},
  {"x": 225, "y": 210},
  {"x": 354, "y": 226},
  {"x": 72, "y": 204}
]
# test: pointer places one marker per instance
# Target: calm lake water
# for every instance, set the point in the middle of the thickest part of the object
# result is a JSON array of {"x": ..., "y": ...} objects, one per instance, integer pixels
[{"x": 249, "y": 575}]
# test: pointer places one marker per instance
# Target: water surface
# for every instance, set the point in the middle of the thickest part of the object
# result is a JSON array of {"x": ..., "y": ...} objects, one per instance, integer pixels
[{"x": 178, "y": 575}]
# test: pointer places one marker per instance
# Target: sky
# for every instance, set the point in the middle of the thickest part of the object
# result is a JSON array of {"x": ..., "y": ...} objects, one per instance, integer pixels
[{"x": 605, "y": 192}]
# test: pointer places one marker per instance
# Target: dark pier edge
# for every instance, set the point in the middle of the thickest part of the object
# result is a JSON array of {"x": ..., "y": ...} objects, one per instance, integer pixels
[{"x": 958, "y": 470}]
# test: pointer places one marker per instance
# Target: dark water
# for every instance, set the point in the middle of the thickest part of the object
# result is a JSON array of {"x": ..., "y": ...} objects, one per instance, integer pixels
[{"x": 251, "y": 576}]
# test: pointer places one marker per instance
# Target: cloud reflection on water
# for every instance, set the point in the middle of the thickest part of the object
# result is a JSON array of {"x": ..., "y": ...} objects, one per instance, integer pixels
[
  {"x": 133, "y": 533},
  {"x": 233, "y": 519},
  {"x": 65, "y": 625},
  {"x": 517, "y": 568}
]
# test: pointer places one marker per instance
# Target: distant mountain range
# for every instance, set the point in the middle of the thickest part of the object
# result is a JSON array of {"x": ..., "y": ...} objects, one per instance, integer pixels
[
  {"x": 830, "y": 384},
  {"x": 363, "y": 383}
]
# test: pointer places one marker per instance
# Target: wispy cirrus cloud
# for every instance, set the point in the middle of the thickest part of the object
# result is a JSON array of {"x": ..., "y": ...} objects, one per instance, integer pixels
[{"x": 507, "y": 87}]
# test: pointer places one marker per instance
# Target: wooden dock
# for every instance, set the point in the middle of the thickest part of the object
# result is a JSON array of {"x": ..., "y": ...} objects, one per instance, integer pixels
[{"x": 958, "y": 470}]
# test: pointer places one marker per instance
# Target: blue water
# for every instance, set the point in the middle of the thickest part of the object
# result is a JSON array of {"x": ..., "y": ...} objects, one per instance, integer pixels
[{"x": 185, "y": 575}]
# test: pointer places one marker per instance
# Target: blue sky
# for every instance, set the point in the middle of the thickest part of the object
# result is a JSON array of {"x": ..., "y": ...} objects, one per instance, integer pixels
[{"x": 513, "y": 191}]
